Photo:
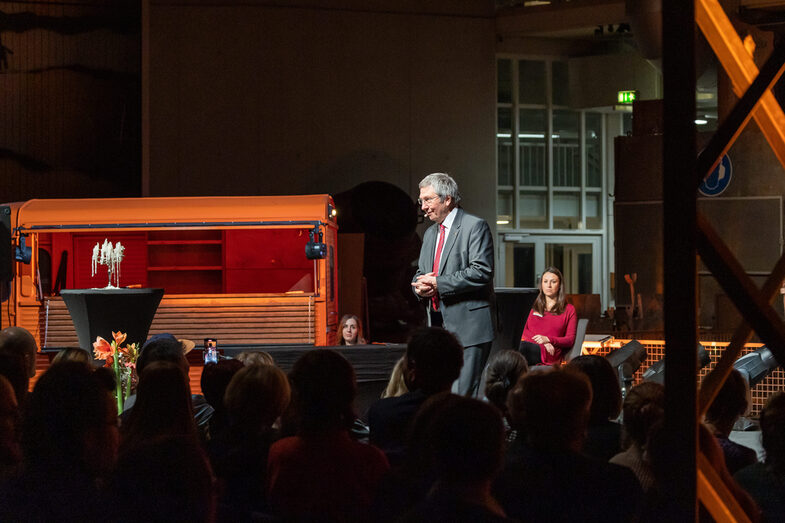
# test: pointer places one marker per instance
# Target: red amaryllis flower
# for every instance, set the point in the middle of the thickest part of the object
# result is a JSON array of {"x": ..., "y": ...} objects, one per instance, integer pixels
[
  {"x": 119, "y": 337},
  {"x": 101, "y": 348}
]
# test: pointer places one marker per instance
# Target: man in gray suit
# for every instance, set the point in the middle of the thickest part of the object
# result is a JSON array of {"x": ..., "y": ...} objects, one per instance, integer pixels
[{"x": 455, "y": 276}]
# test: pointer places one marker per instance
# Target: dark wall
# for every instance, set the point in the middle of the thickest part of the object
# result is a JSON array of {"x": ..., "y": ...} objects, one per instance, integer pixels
[
  {"x": 71, "y": 114},
  {"x": 257, "y": 98}
]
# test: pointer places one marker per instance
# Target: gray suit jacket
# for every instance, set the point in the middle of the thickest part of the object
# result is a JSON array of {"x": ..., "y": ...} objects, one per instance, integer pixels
[{"x": 465, "y": 280}]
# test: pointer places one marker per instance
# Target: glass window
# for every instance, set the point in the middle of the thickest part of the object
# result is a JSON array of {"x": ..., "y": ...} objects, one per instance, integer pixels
[
  {"x": 566, "y": 148},
  {"x": 593, "y": 143},
  {"x": 523, "y": 265},
  {"x": 593, "y": 211},
  {"x": 626, "y": 119},
  {"x": 504, "y": 81},
  {"x": 504, "y": 216},
  {"x": 546, "y": 181},
  {"x": 533, "y": 210},
  {"x": 505, "y": 159},
  {"x": 566, "y": 210},
  {"x": 531, "y": 82},
  {"x": 533, "y": 147},
  {"x": 560, "y": 82}
]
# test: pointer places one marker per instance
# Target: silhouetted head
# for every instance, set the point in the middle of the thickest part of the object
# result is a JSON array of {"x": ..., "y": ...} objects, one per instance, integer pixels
[
  {"x": 323, "y": 391},
  {"x": 215, "y": 378},
  {"x": 504, "y": 370},
  {"x": 164, "y": 347},
  {"x": 644, "y": 407},
  {"x": 71, "y": 421},
  {"x": 167, "y": 478},
  {"x": 255, "y": 357},
  {"x": 772, "y": 427},
  {"x": 256, "y": 397},
  {"x": 550, "y": 408},
  {"x": 162, "y": 407},
  {"x": 18, "y": 340},
  {"x": 434, "y": 358},
  {"x": 730, "y": 403},
  {"x": 72, "y": 354},
  {"x": 606, "y": 394},
  {"x": 462, "y": 439},
  {"x": 14, "y": 367}
]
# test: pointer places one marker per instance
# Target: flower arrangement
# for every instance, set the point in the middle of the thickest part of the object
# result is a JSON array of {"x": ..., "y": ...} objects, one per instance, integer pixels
[{"x": 122, "y": 360}]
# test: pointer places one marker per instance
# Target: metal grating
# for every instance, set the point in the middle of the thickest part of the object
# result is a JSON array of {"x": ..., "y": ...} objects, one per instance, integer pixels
[{"x": 774, "y": 382}]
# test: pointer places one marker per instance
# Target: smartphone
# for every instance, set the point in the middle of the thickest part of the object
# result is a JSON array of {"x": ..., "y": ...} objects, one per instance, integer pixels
[{"x": 210, "y": 350}]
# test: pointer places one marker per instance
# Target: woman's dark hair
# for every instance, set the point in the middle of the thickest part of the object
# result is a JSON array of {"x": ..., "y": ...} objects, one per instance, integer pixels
[
  {"x": 323, "y": 391},
  {"x": 462, "y": 439},
  {"x": 606, "y": 394},
  {"x": 772, "y": 427},
  {"x": 14, "y": 368},
  {"x": 644, "y": 407},
  {"x": 561, "y": 302},
  {"x": 550, "y": 408},
  {"x": 255, "y": 357},
  {"x": 70, "y": 401},
  {"x": 72, "y": 354},
  {"x": 501, "y": 375},
  {"x": 166, "y": 478},
  {"x": 215, "y": 378},
  {"x": 730, "y": 402},
  {"x": 255, "y": 397},
  {"x": 162, "y": 408}
]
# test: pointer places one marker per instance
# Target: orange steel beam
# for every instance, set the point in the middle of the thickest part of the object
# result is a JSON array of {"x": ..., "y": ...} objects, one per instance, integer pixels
[
  {"x": 757, "y": 311},
  {"x": 734, "y": 123},
  {"x": 714, "y": 380},
  {"x": 715, "y": 496},
  {"x": 738, "y": 63}
]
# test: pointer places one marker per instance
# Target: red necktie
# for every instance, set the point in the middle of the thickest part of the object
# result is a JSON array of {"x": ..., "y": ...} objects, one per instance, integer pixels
[{"x": 436, "y": 260}]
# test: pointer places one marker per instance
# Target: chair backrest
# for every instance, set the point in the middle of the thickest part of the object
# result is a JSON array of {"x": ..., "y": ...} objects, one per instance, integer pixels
[{"x": 580, "y": 333}]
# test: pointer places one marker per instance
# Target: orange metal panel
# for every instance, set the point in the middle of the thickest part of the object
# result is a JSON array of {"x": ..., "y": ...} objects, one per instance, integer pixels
[{"x": 196, "y": 210}]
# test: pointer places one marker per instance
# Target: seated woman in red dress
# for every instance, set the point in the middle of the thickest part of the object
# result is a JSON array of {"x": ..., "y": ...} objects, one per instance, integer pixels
[{"x": 549, "y": 332}]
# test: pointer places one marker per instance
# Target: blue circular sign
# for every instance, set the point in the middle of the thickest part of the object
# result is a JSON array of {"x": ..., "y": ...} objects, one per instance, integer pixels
[{"x": 719, "y": 179}]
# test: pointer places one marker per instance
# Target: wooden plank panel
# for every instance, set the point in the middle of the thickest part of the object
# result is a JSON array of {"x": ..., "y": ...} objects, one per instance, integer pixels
[{"x": 234, "y": 320}]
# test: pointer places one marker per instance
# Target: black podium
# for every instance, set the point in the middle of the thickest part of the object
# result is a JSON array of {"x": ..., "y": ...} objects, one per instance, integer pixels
[
  {"x": 98, "y": 312},
  {"x": 513, "y": 305}
]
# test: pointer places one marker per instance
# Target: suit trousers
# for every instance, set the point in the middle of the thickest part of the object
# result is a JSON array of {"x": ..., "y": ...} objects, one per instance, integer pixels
[{"x": 474, "y": 359}]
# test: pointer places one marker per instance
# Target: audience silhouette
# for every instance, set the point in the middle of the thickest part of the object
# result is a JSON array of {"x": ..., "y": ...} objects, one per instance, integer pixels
[{"x": 280, "y": 448}]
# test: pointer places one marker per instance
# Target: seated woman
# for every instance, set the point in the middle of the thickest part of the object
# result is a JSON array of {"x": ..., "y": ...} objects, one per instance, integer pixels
[
  {"x": 551, "y": 323},
  {"x": 351, "y": 330}
]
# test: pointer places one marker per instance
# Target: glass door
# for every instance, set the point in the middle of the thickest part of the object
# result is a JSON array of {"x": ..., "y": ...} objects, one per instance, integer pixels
[{"x": 524, "y": 257}]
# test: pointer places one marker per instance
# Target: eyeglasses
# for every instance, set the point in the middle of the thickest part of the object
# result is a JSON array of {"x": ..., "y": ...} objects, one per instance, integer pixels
[{"x": 427, "y": 200}]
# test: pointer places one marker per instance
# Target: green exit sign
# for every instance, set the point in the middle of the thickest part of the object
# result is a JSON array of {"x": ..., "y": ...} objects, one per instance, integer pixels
[{"x": 626, "y": 97}]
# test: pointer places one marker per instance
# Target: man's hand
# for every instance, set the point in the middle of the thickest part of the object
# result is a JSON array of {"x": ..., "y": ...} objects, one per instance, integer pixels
[{"x": 425, "y": 285}]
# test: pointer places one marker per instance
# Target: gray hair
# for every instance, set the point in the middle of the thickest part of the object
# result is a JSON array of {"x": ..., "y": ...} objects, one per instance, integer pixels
[{"x": 443, "y": 185}]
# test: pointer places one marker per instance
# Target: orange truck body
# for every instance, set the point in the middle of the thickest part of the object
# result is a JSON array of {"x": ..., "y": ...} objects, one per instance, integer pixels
[{"x": 232, "y": 268}]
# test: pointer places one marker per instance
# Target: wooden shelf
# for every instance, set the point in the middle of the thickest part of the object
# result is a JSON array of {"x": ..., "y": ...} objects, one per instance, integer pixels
[
  {"x": 184, "y": 242},
  {"x": 187, "y": 268}
]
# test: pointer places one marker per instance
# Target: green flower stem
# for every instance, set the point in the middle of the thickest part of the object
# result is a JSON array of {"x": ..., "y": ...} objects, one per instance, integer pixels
[{"x": 118, "y": 379}]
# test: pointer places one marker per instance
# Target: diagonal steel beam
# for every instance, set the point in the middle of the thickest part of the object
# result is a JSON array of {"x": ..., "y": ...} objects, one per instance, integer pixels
[
  {"x": 714, "y": 380},
  {"x": 741, "y": 69},
  {"x": 740, "y": 289},
  {"x": 716, "y": 496},
  {"x": 734, "y": 123}
]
